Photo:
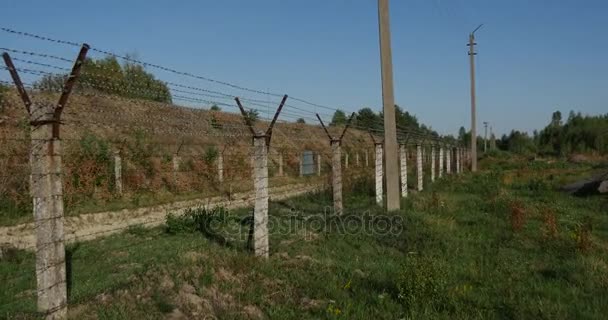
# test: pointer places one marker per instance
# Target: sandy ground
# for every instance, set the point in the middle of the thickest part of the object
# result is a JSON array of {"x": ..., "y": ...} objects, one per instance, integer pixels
[{"x": 95, "y": 225}]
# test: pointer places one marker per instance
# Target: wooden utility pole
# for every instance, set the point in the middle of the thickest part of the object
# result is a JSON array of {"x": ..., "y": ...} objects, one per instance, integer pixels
[
  {"x": 472, "y": 54},
  {"x": 390, "y": 128}
]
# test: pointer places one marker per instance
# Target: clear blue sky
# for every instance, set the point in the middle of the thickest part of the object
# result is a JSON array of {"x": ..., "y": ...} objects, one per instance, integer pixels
[{"x": 535, "y": 56}]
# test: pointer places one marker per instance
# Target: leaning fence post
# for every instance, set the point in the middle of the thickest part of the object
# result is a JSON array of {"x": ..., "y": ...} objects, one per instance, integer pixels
[
  {"x": 432, "y": 164},
  {"x": 118, "y": 172},
  {"x": 440, "y": 160},
  {"x": 379, "y": 173},
  {"x": 46, "y": 189},
  {"x": 419, "y": 166},
  {"x": 403, "y": 162}
]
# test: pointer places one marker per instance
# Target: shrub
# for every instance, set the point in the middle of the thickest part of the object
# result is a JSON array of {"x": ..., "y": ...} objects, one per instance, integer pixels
[
  {"x": 211, "y": 153},
  {"x": 206, "y": 221}
]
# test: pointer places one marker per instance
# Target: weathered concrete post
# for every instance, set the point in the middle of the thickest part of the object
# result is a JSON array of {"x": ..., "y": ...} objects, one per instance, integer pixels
[
  {"x": 346, "y": 160},
  {"x": 336, "y": 175},
  {"x": 220, "y": 167},
  {"x": 379, "y": 173},
  {"x": 432, "y": 164},
  {"x": 46, "y": 189},
  {"x": 280, "y": 164},
  {"x": 448, "y": 161},
  {"x": 118, "y": 173},
  {"x": 318, "y": 164},
  {"x": 260, "y": 211},
  {"x": 440, "y": 162},
  {"x": 403, "y": 162},
  {"x": 357, "y": 159},
  {"x": 176, "y": 162},
  {"x": 301, "y": 163},
  {"x": 419, "y": 166},
  {"x": 366, "y": 159},
  {"x": 458, "y": 160}
]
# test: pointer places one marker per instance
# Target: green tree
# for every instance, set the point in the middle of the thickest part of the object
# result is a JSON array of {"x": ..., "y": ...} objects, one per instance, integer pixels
[
  {"x": 300, "y": 120},
  {"x": 215, "y": 108},
  {"x": 339, "y": 118}
]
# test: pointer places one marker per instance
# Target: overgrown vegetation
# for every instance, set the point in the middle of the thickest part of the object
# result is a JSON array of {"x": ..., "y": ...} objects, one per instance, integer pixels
[{"x": 502, "y": 244}]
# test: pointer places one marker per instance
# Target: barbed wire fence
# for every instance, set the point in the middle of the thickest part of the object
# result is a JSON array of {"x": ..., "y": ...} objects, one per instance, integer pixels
[{"x": 118, "y": 143}]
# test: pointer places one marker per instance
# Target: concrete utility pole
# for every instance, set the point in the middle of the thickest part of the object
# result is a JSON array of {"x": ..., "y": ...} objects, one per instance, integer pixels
[
  {"x": 485, "y": 137},
  {"x": 388, "y": 99},
  {"x": 472, "y": 54}
]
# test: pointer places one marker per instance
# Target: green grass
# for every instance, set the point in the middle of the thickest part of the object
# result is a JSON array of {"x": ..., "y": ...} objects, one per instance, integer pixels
[{"x": 459, "y": 257}]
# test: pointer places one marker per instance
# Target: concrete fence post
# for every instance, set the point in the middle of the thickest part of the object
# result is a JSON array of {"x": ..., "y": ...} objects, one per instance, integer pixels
[
  {"x": 440, "y": 160},
  {"x": 448, "y": 161},
  {"x": 301, "y": 163},
  {"x": 46, "y": 189},
  {"x": 220, "y": 167},
  {"x": 118, "y": 173},
  {"x": 336, "y": 175},
  {"x": 458, "y": 160},
  {"x": 260, "y": 213},
  {"x": 346, "y": 160},
  {"x": 403, "y": 162},
  {"x": 175, "y": 161},
  {"x": 366, "y": 159},
  {"x": 318, "y": 164},
  {"x": 432, "y": 164},
  {"x": 419, "y": 167},
  {"x": 280, "y": 164},
  {"x": 357, "y": 159},
  {"x": 379, "y": 173}
]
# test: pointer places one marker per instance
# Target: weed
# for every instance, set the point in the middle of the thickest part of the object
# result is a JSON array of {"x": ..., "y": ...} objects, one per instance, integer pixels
[
  {"x": 550, "y": 224},
  {"x": 518, "y": 216},
  {"x": 582, "y": 236},
  {"x": 422, "y": 285}
]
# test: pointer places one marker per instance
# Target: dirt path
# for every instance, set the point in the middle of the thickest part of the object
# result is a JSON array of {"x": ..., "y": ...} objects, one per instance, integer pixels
[{"x": 95, "y": 225}]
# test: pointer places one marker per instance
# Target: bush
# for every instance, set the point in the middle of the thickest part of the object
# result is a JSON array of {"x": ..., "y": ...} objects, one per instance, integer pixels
[
  {"x": 211, "y": 153},
  {"x": 206, "y": 221}
]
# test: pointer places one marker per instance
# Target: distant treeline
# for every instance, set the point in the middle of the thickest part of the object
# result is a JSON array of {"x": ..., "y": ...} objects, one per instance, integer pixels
[
  {"x": 367, "y": 119},
  {"x": 579, "y": 134}
]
